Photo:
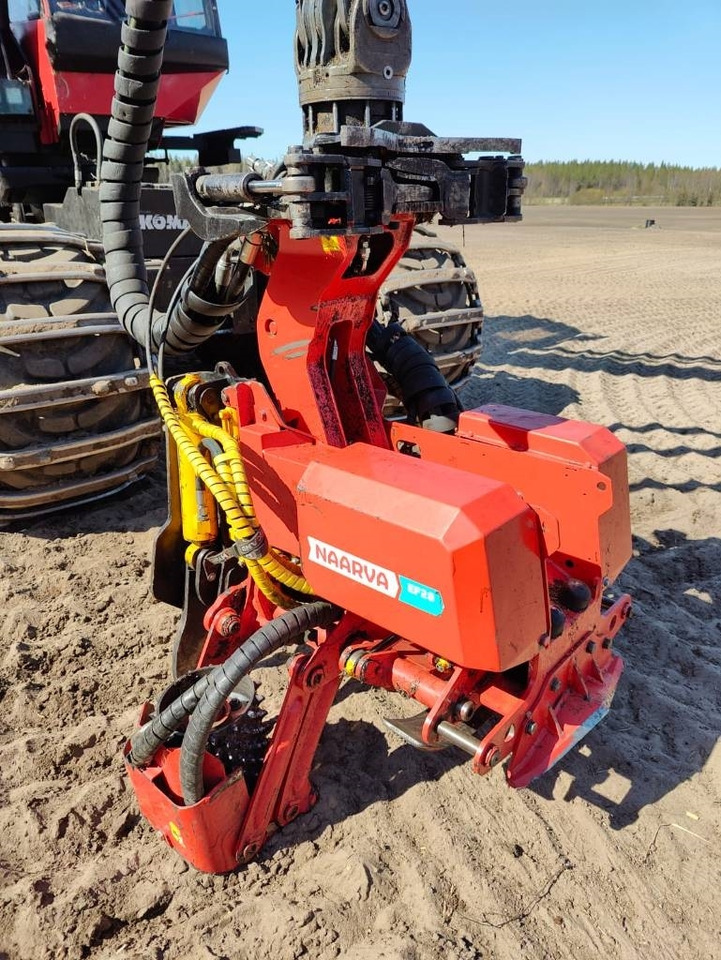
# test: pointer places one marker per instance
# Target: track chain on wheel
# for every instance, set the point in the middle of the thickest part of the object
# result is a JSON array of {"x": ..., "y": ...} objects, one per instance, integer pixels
[
  {"x": 77, "y": 421},
  {"x": 434, "y": 295}
]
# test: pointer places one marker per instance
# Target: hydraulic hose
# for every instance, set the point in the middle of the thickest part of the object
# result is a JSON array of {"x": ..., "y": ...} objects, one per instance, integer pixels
[
  {"x": 198, "y": 313},
  {"x": 164, "y": 724},
  {"x": 76, "y": 122},
  {"x": 426, "y": 394},
  {"x": 159, "y": 730},
  {"x": 286, "y": 629},
  {"x": 230, "y": 490}
]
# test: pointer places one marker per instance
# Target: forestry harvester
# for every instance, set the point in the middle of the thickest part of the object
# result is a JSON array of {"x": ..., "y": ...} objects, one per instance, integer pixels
[
  {"x": 460, "y": 558},
  {"x": 76, "y": 418}
]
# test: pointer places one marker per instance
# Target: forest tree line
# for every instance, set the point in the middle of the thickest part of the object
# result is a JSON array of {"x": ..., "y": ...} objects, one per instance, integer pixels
[{"x": 616, "y": 181}]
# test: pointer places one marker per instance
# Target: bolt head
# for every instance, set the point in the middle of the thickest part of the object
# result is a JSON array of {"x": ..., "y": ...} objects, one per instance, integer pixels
[
  {"x": 558, "y": 622},
  {"x": 465, "y": 710},
  {"x": 555, "y": 685},
  {"x": 228, "y": 625},
  {"x": 531, "y": 727},
  {"x": 315, "y": 678},
  {"x": 493, "y": 757}
]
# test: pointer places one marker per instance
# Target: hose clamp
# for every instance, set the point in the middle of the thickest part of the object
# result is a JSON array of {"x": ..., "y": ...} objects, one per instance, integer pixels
[
  {"x": 250, "y": 548},
  {"x": 254, "y": 548}
]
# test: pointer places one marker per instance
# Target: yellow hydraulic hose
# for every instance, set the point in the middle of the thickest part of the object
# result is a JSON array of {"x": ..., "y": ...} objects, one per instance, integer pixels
[
  {"x": 275, "y": 565},
  {"x": 229, "y": 487},
  {"x": 232, "y": 452}
]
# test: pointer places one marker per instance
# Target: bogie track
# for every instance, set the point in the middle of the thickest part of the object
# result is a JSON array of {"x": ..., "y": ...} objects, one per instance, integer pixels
[
  {"x": 434, "y": 295},
  {"x": 76, "y": 422}
]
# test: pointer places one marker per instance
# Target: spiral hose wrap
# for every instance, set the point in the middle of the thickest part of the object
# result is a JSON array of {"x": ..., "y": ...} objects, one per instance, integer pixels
[
  {"x": 198, "y": 314},
  {"x": 229, "y": 487},
  {"x": 286, "y": 629},
  {"x": 283, "y": 631},
  {"x": 426, "y": 394},
  {"x": 164, "y": 724}
]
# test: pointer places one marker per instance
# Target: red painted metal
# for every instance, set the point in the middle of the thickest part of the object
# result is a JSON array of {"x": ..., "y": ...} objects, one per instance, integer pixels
[
  {"x": 182, "y": 97},
  {"x": 447, "y": 552},
  {"x": 284, "y": 790},
  {"x": 473, "y": 542},
  {"x": 535, "y": 717},
  {"x": 205, "y": 834},
  {"x": 588, "y": 676},
  {"x": 573, "y": 463},
  {"x": 312, "y": 330},
  {"x": 228, "y": 827}
]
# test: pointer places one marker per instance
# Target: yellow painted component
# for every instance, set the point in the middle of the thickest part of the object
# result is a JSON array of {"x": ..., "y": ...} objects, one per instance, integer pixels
[
  {"x": 180, "y": 391},
  {"x": 332, "y": 245},
  {"x": 198, "y": 507},
  {"x": 175, "y": 833},
  {"x": 442, "y": 666},
  {"x": 229, "y": 488},
  {"x": 233, "y": 460},
  {"x": 229, "y": 421},
  {"x": 191, "y": 553}
]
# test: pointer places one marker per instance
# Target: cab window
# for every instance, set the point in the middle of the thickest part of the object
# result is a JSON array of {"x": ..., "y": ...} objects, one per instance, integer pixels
[{"x": 21, "y": 10}]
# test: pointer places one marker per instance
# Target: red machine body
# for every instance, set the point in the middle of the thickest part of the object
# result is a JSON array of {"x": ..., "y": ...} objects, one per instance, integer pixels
[
  {"x": 472, "y": 567},
  {"x": 71, "y": 49},
  {"x": 65, "y": 93},
  {"x": 57, "y": 63}
]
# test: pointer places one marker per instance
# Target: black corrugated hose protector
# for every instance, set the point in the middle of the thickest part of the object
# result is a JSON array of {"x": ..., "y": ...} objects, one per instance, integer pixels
[
  {"x": 137, "y": 81},
  {"x": 284, "y": 630},
  {"x": 425, "y": 392}
]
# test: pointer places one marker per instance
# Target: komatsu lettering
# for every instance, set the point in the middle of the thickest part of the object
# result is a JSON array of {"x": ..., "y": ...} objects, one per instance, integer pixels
[{"x": 159, "y": 221}]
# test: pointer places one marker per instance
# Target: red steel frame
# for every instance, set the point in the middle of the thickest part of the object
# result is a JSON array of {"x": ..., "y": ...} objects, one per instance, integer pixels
[{"x": 538, "y": 504}]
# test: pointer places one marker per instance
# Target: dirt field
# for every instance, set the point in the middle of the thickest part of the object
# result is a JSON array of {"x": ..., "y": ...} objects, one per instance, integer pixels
[{"x": 615, "y": 854}]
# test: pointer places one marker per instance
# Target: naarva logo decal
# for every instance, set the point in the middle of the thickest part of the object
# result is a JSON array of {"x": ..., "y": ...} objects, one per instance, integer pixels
[
  {"x": 347, "y": 565},
  {"x": 378, "y": 578}
]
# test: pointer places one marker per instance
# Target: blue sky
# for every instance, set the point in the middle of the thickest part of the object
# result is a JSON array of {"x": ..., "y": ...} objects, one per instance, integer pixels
[{"x": 635, "y": 80}]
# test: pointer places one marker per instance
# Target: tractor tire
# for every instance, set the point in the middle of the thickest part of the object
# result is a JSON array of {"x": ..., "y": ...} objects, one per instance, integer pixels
[
  {"x": 77, "y": 421},
  {"x": 434, "y": 295}
]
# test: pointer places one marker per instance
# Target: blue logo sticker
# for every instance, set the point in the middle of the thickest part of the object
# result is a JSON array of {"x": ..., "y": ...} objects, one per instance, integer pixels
[{"x": 421, "y": 597}]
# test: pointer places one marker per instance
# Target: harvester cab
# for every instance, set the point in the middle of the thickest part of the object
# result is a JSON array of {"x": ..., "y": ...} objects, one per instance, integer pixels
[
  {"x": 58, "y": 64},
  {"x": 462, "y": 559}
]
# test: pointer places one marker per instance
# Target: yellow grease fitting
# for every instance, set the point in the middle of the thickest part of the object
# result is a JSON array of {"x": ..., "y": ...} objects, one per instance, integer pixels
[{"x": 229, "y": 487}]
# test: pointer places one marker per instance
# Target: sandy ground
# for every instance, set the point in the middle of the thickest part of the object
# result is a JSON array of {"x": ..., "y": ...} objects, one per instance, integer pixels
[{"x": 614, "y": 854}]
